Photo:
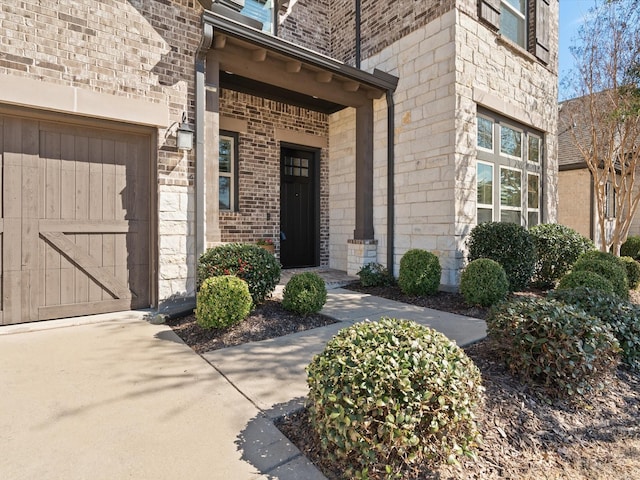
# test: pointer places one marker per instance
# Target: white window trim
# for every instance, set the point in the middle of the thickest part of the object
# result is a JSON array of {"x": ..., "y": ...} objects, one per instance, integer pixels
[
  {"x": 230, "y": 175},
  {"x": 535, "y": 210},
  {"x": 520, "y": 14},
  {"x": 493, "y": 136},
  {"x": 537, "y": 162},
  {"x": 505, "y": 155},
  {"x": 508, "y": 207},
  {"x": 493, "y": 190}
]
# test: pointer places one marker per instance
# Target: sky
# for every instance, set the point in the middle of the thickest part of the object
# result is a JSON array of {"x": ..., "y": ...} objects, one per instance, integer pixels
[{"x": 571, "y": 14}]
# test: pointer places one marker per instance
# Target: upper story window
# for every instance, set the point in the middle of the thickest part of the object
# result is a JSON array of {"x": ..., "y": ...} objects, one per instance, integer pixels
[
  {"x": 513, "y": 15},
  {"x": 524, "y": 22},
  {"x": 261, "y": 10}
]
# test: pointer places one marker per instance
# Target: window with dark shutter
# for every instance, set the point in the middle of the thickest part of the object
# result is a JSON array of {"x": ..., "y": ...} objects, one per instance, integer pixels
[
  {"x": 542, "y": 31},
  {"x": 489, "y": 11}
]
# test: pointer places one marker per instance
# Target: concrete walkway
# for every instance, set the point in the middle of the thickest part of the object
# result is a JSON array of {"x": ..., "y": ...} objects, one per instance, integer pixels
[{"x": 127, "y": 399}]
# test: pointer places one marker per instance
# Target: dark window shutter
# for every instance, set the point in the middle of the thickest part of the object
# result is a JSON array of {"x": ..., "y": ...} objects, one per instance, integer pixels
[
  {"x": 489, "y": 11},
  {"x": 542, "y": 31}
]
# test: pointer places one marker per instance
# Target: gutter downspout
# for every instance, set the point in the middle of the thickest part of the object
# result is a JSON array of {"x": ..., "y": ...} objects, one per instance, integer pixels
[
  {"x": 390, "y": 180},
  {"x": 358, "y": 33},
  {"x": 200, "y": 96}
]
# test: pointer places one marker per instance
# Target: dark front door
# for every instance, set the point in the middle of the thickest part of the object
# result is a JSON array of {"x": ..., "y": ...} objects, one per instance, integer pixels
[{"x": 299, "y": 242}]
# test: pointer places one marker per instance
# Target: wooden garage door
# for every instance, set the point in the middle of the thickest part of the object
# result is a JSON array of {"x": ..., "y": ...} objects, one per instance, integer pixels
[{"x": 74, "y": 230}]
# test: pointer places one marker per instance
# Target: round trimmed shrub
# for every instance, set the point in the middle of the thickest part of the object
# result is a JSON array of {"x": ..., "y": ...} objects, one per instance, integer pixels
[
  {"x": 623, "y": 318},
  {"x": 390, "y": 394},
  {"x": 600, "y": 255},
  {"x": 558, "y": 247},
  {"x": 631, "y": 248},
  {"x": 375, "y": 275},
  {"x": 508, "y": 244},
  {"x": 555, "y": 346},
  {"x": 305, "y": 293},
  {"x": 633, "y": 271},
  {"x": 419, "y": 272},
  {"x": 249, "y": 262},
  {"x": 585, "y": 278},
  {"x": 612, "y": 270},
  {"x": 484, "y": 282},
  {"x": 222, "y": 302}
]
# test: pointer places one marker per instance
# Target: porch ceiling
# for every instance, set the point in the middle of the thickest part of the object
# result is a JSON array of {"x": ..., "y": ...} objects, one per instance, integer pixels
[{"x": 261, "y": 59}]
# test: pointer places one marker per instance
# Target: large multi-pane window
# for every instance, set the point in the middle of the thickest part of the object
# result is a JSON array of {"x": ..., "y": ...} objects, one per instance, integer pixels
[
  {"x": 508, "y": 171},
  {"x": 227, "y": 175}
]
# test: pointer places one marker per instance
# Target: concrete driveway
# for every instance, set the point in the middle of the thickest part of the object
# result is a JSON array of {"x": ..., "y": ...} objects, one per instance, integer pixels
[{"x": 115, "y": 400}]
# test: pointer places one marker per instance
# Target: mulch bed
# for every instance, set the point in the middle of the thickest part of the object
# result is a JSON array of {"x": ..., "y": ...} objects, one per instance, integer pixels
[{"x": 268, "y": 320}]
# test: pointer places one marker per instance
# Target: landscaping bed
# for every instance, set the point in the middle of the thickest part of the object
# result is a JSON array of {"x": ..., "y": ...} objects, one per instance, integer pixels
[{"x": 524, "y": 437}]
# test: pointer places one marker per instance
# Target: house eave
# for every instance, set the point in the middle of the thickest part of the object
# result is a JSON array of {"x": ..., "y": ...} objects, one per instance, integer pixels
[{"x": 380, "y": 82}]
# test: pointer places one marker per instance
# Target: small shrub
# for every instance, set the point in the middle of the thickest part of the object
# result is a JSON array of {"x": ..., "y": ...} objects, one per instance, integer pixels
[
  {"x": 585, "y": 278},
  {"x": 633, "y": 272},
  {"x": 612, "y": 270},
  {"x": 631, "y": 248},
  {"x": 623, "y": 318},
  {"x": 508, "y": 244},
  {"x": 484, "y": 283},
  {"x": 390, "y": 394},
  {"x": 558, "y": 247},
  {"x": 553, "y": 345},
  {"x": 375, "y": 275},
  {"x": 419, "y": 273},
  {"x": 252, "y": 263},
  {"x": 222, "y": 302},
  {"x": 305, "y": 293}
]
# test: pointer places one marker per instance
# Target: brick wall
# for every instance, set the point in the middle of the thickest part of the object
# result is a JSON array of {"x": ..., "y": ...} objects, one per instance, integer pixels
[
  {"x": 574, "y": 200},
  {"x": 258, "y": 214},
  {"x": 135, "y": 49},
  {"x": 306, "y": 23}
]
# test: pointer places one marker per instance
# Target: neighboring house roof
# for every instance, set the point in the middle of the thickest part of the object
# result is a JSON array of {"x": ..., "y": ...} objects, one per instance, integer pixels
[{"x": 569, "y": 156}]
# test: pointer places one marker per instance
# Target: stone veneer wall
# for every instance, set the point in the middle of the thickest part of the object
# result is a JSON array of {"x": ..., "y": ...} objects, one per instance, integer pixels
[
  {"x": 383, "y": 23},
  {"x": 258, "y": 214},
  {"x": 137, "y": 49},
  {"x": 446, "y": 68}
]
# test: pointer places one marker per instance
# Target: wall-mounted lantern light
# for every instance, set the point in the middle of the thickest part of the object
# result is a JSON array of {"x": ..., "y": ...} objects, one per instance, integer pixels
[{"x": 184, "y": 135}]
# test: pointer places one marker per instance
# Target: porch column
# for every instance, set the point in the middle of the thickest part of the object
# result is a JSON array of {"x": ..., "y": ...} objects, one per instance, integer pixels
[
  {"x": 362, "y": 249},
  {"x": 212, "y": 140},
  {"x": 364, "y": 172}
]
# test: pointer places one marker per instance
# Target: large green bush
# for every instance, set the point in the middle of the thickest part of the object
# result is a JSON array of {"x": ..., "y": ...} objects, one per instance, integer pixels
[
  {"x": 631, "y": 248},
  {"x": 553, "y": 345},
  {"x": 508, "y": 244},
  {"x": 612, "y": 270},
  {"x": 633, "y": 271},
  {"x": 558, "y": 247},
  {"x": 419, "y": 273},
  {"x": 584, "y": 278},
  {"x": 600, "y": 255},
  {"x": 386, "y": 395},
  {"x": 222, "y": 302},
  {"x": 305, "y": 293},
  {"x": 375, "y": 275},
  {"x": 623, "y": 318},
  {"x": 484, "y": 282},
  {"x": 249, "y": 262}
]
